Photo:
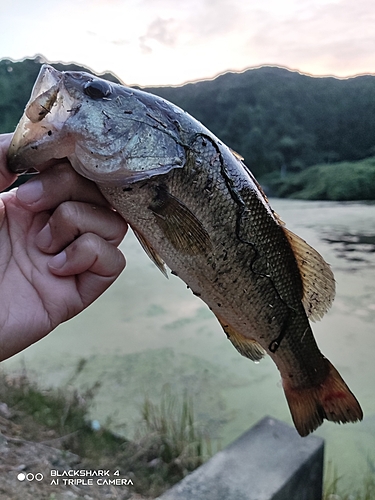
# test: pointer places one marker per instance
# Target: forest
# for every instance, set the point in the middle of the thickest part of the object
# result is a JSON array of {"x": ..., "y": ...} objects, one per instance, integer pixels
[{"x": 282, "y": 122}]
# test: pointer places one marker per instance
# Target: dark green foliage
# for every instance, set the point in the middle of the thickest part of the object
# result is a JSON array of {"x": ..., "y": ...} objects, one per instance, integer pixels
[
  {"x": 16, "y": 81},
  {"x": 341, "y": 181}
]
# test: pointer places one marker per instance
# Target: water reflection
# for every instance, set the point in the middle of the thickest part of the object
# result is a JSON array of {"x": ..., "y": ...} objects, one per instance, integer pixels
[{"x": 355, "y": 248}]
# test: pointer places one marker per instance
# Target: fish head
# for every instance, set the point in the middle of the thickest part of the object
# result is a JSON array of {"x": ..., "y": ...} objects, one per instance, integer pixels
[{"x": 111, "y": 134}]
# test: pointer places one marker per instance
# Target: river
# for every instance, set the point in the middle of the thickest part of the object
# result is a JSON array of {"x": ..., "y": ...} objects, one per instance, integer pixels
[{"x": 147, "y": 333}]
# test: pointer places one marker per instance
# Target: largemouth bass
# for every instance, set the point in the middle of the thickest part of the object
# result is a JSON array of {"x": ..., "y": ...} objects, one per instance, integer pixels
[{"x": 196, "y": 208}]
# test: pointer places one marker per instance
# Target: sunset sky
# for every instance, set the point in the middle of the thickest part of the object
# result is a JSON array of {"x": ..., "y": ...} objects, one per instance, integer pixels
[{"x": 161, "y": 42}]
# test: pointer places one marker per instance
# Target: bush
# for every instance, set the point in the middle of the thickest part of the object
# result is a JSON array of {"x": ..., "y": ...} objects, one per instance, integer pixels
[{"x": 344, "y": 181}]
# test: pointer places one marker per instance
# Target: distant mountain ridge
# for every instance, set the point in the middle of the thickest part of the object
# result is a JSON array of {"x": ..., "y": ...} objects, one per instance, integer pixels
[{"x": 279, "y": 120}]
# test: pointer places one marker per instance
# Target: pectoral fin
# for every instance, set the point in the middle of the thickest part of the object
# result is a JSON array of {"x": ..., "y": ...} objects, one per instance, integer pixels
[
  {"x": 182, "y": 228},
  {"x": 317, "y": 277},
  {"x": 248, "y": 347}
]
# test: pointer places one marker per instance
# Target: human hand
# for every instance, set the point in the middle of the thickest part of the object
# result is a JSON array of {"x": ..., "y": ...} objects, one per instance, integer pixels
[
  {"x": 58, "y": 251},
  {"x": 6, "y": 177}
]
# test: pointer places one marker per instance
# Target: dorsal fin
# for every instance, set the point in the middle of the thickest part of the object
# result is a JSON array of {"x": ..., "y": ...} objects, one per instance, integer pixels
[
  {"x": 278, "y": 218},
  {"x": 317, "y": 277},
  {"x": 151, "y": 252}
]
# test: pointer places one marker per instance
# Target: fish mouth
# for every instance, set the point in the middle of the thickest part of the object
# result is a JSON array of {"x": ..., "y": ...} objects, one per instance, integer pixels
[{"x": 49, "y": 107}]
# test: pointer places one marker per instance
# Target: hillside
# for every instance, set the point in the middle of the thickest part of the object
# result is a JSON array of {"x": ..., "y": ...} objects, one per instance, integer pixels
[{"x": 282, "y": 120}]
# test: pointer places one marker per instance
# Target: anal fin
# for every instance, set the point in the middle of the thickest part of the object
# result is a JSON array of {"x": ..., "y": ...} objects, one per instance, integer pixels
[{"x": 248, "y": 347}]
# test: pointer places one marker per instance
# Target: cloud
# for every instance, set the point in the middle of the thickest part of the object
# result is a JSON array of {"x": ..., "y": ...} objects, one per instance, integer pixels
[
  {"x": 120, "y": 42},
  {"x": 138, "y": 39},
  {"x": 193, "y": 20},
  {"x": 335, "y": 38},
  {"x": 215, "y": 18},
  {"x": 163, "y": 31}
]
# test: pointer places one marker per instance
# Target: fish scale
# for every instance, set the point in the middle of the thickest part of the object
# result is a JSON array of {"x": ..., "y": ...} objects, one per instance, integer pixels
[{"x": 196, "y": 208}]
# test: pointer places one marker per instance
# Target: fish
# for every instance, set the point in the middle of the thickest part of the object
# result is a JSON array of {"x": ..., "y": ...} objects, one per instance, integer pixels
[{"x": 198, "y": 211}]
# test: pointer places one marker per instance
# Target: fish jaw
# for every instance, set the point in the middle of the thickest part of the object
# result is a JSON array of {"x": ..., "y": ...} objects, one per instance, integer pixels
[{"x": 40, "y": 135}]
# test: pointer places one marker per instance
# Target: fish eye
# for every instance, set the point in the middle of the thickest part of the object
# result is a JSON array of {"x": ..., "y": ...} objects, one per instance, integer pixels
[{"x": 97, "y": 89}]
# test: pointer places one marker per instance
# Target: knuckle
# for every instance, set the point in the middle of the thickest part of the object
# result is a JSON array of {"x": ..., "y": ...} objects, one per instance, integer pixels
[
  {"x": 91, "y": 243},
  {"x": 65, "y": 222},
  {"x": 69, "y": 212},
  {"x": 61, "y": 175},
  {"x": 72, "y": 219}
]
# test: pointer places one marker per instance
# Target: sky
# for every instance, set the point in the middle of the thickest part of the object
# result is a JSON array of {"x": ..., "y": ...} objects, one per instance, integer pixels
[{"x": 169, "y": 42}]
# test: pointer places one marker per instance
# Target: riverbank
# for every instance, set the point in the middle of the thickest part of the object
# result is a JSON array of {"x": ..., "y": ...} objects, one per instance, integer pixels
[
  {"x": 343, "y": 181},
  {"x": 51, "y": 450}
]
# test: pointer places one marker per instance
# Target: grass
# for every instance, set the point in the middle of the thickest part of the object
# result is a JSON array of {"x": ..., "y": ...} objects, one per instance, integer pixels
[
  {"x": 169, "y": 443},
  {"x": 168, "y": 446},
  {"x": 64, "y": 412},
  {"x": 333, "y": 490},
  {"x": 176, "y": 446}
]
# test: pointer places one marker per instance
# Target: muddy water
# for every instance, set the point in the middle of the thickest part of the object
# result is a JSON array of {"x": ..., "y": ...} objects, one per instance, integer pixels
[{"x": 147, "y": 332}]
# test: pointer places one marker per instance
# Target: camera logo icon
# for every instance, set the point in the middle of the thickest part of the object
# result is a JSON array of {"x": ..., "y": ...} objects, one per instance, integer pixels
[{"x": 30, "y": 477}]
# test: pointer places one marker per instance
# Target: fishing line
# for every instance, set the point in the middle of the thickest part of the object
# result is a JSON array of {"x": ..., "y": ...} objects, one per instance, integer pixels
[{"x": 240, "y": 203}]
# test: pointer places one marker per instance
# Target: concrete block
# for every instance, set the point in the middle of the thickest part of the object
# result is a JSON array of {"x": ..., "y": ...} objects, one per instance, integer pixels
[{"x": 268, "y": 462}]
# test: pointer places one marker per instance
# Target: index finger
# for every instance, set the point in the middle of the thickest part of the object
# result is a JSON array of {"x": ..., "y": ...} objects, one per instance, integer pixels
[
  {"x": 6, "y": 177},
  {"x": 56, "y": 185}
]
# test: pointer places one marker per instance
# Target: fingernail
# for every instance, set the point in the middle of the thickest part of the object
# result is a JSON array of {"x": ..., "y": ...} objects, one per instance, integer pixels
[
  {"x": 44, "y": 238},
  {"x": 58, "y": 260},
  {"x": 30, "y": 192}
]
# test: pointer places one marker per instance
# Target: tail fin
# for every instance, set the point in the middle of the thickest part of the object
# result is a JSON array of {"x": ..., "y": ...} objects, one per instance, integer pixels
[{"x": 331, "y": 400}]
